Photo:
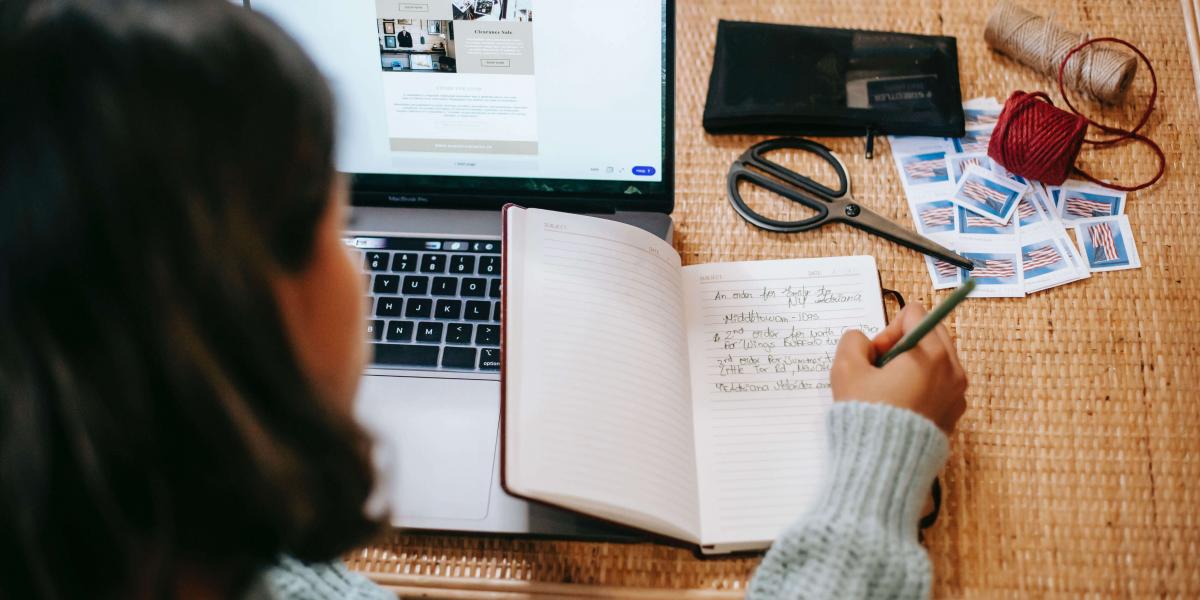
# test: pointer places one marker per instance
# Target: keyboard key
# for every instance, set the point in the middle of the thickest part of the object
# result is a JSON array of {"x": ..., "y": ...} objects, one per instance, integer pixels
[
  {"x": 477, "y": 310},
  {"x": 429, "y": 332},
  {"x": 473, "y": 287},
  {"x": 377, "y": 261},
  {"x": 459, "y": 333},
  {"x": 489, "y": 265},
  {"x": 404, "y": 262},
  {"x": 433, "y": 263},
  {"x": 489, "y": 359},
  {"x": 388, "y": 307},
  {"x": 496, "y": 312},
  {"x": 418, "y": 308},
  {"x": 495, "y": 289},
  {"x": 387, "y": 284},
  {"x": 488, "y": 335},
  {"x": 375, "y": 329},
  {"x": 415, "y": 285},
  {"x": 458, "y": 358},
  {"x": 400, "y": 331},
  {"x": 448, "y": 309},
  {"x": 462, "y": 264},
  {"x": 444, "y": 286},
  {"x": 405, "y": 355}
]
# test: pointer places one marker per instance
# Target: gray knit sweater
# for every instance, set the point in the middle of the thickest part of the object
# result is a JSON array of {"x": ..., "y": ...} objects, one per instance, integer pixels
[{"x": 859, "y": 539}]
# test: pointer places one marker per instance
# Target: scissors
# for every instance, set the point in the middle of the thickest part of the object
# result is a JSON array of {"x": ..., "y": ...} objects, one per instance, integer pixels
[{"x": 831, "y": 205}]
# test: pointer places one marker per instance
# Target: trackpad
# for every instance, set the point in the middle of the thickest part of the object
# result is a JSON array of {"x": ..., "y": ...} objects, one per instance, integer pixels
[{"x": 435, "y": 443}]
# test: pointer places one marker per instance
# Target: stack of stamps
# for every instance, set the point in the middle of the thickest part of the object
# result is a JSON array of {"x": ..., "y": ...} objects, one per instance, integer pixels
[{"x": 1013, "y": 229}]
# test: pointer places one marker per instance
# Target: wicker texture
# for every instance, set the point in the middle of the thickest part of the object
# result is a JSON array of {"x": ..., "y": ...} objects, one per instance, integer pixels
[{"x": 1076, "y": 469}]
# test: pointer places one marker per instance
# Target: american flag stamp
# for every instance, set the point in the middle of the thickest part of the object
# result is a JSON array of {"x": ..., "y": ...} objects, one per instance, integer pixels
[
  {"x": 1107, "y": 243},
  {"x": 924, "y": 169},
  {"x": 1085, "y": 201},
  {"x": 973, "y": 141},
  {"x": 943, "y": 274},
  {"x": 997, "y": 268},
  {"x": 982, "y": 113},
  {"x": 1029, "y": 212},
  {"x": 914, "y": 144},
  {"x": 971, "y": 224},
  {"x": 988, "y": 194},
  {"x": 935, "y": 216},
  {"x": 960, "y": 162},
  {"x": 1050, "y": 261},
  {"x": 981, "y": 117}
]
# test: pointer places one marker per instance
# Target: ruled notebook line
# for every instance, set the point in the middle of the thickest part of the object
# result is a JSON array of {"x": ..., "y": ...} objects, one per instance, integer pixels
[
  {"x": 762, "y": 337},
  {"x": 608, "y": 307}
]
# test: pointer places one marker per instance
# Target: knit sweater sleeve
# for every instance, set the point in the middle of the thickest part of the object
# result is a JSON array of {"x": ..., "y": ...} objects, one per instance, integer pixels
[
  {"x": 291, "y": 579},
  {"x": 859, "y": 538}
]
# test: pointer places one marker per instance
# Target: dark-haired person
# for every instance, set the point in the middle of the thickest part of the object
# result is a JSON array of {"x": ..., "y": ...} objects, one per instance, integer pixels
[
  {"x": 181, "y": 333},
  {"x": 180, "y": 323}
]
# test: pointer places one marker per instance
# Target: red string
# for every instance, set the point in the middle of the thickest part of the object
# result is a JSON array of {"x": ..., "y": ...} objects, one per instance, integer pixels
[{"x": 1035, "y": 139}]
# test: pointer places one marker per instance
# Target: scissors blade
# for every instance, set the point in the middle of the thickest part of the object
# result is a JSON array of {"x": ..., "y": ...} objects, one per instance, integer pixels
[{"x": 872, "y": 222}]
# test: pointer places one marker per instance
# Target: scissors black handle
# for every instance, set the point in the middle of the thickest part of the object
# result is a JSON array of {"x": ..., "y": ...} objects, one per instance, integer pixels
[
  {"x": 830, "y": 205},
  {"x": 754, "y": 156},
  {"x": 752, "y": 165}
]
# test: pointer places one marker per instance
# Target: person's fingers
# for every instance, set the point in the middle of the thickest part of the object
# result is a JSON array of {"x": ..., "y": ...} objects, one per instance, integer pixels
[
  {"x": 854, "y": 348},
  {"x": 884, "y": 340},
  {"x": 932, "y": 344},
  {"x": 952, "y": 353},
  {"x": 953, "y": 348}
]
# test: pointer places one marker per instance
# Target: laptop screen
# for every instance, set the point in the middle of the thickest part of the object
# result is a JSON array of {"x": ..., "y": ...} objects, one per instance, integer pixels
[{"x": 552, "y": 98}]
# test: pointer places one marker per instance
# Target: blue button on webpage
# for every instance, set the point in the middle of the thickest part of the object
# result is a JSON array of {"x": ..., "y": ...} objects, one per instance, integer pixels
[{"x": 643, "y": 171}]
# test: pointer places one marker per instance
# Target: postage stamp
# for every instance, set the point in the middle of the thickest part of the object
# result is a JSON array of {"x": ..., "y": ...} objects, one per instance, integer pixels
[
  {"x": 988, "y": 194},
  {"x": 1107, "y": 243},
  {"x": 1048, "y": 262},
  {"x": 981, "y": 117},
  {"x": 971, "y": 224},
  {"x": 982, "y": 113},
  {"x": 975, "y": 141},
  {"x": 960, "y": 162},
  {"x": 935, "y": 216},
  {"x": 943, "y": 274},
  {"x": 997, "y": 269},
  {"x": 915, "y": 144},
  {"x": 1083, "y": 201},
  {"x": 924, "y": 169}
]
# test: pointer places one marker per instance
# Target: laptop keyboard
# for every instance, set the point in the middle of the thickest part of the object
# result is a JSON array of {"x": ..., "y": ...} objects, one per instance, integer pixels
[{"x": 434, "y": 303}]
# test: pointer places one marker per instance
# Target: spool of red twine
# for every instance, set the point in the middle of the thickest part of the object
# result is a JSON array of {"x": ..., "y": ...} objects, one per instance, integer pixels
[
  {"x": 1039, "y": 141},
  {"x": 1036, "y": 140}
]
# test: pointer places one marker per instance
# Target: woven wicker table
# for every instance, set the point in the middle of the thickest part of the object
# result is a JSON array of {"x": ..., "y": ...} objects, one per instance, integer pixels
[{"x": 1077, "y": 468}]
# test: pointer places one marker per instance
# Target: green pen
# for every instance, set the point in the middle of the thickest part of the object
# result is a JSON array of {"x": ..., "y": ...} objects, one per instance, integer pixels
[{"x": 930, "y": 321}]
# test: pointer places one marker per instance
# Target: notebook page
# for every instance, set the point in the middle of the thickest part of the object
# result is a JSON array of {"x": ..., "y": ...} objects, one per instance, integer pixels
[
  {"x": 762, "y": 336},
  {"x": 596, "y": 336}
]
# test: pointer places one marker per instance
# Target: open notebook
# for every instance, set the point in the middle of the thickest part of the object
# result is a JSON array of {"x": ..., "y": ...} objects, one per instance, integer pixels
[{"x": 685, "y": 401}]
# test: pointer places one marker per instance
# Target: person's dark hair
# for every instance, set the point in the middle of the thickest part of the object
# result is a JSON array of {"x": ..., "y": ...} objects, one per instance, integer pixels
[{"x": 159, "y": 162}]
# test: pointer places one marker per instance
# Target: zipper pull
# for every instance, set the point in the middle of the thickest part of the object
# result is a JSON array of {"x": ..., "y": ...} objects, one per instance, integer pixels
[{"x": 870, "y": 142}]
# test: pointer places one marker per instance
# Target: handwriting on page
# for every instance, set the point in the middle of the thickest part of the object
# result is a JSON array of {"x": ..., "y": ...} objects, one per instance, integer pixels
[
  {"x": 772, "y": 339},
  {"x": 763, "y": 345}
]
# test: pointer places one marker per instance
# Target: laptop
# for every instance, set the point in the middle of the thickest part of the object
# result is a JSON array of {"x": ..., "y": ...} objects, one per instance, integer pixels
[{"x": 442, "y": 121}]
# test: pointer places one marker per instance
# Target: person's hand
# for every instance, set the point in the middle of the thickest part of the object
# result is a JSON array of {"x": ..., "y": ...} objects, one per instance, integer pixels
[{"x": 927, "y": 379}]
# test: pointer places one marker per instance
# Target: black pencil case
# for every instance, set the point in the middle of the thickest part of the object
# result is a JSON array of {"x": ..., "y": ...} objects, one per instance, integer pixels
[{"x": 797, "y": 80}]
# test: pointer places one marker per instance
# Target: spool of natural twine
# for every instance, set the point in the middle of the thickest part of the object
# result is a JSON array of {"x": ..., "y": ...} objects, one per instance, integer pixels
[{"x": 1100, "y": 72}]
